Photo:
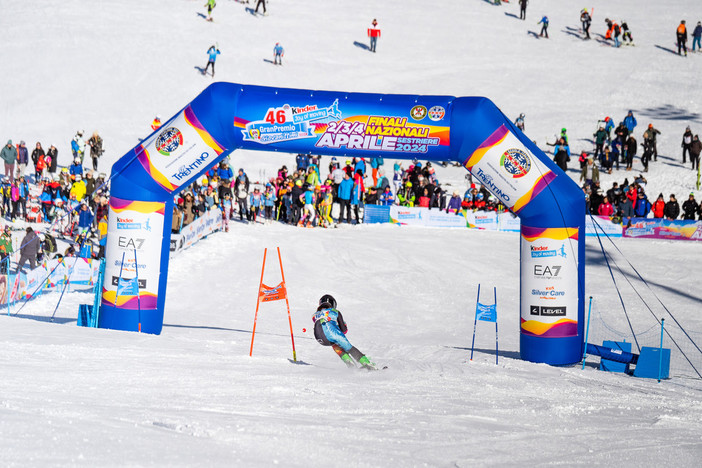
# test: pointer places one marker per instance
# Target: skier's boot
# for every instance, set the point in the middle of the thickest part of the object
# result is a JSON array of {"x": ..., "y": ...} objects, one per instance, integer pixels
[
  {"x": 366, "y": 363},
  {"x": 348, "y": 360}
]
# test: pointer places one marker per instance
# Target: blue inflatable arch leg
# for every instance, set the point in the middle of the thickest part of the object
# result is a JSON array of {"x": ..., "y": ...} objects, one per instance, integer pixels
[{"x": 470, "y": 130}]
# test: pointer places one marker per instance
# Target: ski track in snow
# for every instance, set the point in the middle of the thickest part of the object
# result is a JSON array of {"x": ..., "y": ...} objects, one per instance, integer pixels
[{"x": 71, "y": 396}]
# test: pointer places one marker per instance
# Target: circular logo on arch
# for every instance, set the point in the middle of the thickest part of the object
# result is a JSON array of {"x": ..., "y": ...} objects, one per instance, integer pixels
[
  {"x": 168, "y": 141},
  {"x": 418, "y": 112},
  {"x": 516, "y": 162}
]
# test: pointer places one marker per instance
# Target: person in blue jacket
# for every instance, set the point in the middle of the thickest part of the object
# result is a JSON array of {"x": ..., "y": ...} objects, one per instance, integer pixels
[
  {"x": 544, "y": 28},
  {"x": 224, "y": 172},
  {"x": 85, "y": 218},
  {"x": 75, "y": 169},
  {"x": 360, "y": 166},
  {"x": 302, "y": 161},
  {"x": 278, "y": 53},
  {"x": 344, "y": 196},
  {"x": 643, "y": 206},
  {"x": 330, "y": 330},
  {"x": 212, "y": 52},
  {"x": 630, "y": 121}
]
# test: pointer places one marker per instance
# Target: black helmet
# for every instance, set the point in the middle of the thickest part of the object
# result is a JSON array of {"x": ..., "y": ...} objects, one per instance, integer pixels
[{"x": 327, "y": 299}]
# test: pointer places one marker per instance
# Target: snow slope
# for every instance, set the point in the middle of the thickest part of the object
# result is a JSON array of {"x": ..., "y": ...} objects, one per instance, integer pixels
[{"x": 192, "y": 396}]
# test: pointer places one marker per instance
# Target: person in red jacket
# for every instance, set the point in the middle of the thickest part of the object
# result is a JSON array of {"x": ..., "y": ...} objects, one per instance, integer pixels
[
  {"x": 374, "y": 34},
  {"x": 605, "y": 208},
  {"x": 658, "y": 207}
]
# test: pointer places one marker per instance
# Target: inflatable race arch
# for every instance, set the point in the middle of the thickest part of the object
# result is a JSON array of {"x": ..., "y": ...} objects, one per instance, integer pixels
[{"x": 470, "y": 130}]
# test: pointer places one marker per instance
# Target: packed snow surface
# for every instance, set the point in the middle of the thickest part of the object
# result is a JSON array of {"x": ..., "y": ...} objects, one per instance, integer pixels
[{"x": 73, "y": 396}]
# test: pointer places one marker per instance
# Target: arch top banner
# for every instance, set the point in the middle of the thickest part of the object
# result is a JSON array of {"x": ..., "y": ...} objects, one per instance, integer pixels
[{"x": 468, "y": 130}]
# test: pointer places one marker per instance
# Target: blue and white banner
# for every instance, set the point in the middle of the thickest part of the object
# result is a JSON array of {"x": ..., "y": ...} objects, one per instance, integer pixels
[{"x": 486, "y": 313}]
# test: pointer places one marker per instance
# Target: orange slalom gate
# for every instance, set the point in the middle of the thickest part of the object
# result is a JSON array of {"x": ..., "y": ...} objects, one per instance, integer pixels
[{"x": 270, "y": 294}]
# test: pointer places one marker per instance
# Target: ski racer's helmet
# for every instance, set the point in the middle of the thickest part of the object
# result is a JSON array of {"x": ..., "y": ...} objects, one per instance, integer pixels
[
  {"x": 563, "y": 130},
  {"x": 327, "y": 299}
]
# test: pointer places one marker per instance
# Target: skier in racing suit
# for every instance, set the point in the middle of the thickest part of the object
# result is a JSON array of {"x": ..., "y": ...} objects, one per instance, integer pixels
[{"x": 330, "y": 330}]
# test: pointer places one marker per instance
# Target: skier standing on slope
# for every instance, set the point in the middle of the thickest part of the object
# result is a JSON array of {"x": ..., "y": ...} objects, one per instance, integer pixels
[
  {"x": 520, "y": 122},
  {"x": 213, "y": 52},
  {"x": 696, "y": 36},
  {"x": 544, "y": 28},
  {"x": 626, "y": 33},
  {"x": 681, "y": 34},
  {"x": 278, "y": 53},
  {"x": 210, "y": 6},
  {"x": 586, "y": 21},
  {"x": 330, "y": 330}
]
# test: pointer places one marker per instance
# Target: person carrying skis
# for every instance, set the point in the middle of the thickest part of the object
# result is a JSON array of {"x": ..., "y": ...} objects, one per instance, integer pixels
[
  {"x": 278, "y": 53},
  {"x": 586, "y": 21},
  {"x": 544, "y": 28},
  {"x": 374, "y": 34},
  {"x": 522, "y": 9},
  {"x": 681, "y": 34},
  {"x": 212, "y": 52},
  {"x": 210, "y": 6},
  {"x": 696, "y": 36},
  {"x": 330, "y": 330}
]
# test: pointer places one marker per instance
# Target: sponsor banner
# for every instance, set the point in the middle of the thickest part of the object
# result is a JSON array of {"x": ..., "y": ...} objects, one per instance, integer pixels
[
  {"x": 193, "y": 232},
  {"x": 508, "y": 222},
  {"x": 27, "y": 285},
  {"x": 486, "y": 220},
  {"x": 355, "y": 125},
  {"x": 136, "y": 228},
  {"x": 604, "y": 223},
  {"x": 486, "y": 313},
  {"x": 179, "y": 150},
  {"x": 657, "y": 228},
  {"x": 376, "y": 214},
  {"x": 413, "y": 216},
  {"x": 549, "y": 282},
  {"x": 508, "y": 169}
]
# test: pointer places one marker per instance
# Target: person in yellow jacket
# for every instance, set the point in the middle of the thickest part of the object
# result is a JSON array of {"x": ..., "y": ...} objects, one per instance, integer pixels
[
  {"x": 78, "y": 189},
  {"x": 325, "y": 206}
]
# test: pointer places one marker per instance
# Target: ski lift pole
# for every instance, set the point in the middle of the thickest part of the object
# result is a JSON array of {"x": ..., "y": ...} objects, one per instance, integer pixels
[
  {"x": 587, "y": 331},
  {"x": 136, "y": 268},
  {"x": 660, "y": 352}
]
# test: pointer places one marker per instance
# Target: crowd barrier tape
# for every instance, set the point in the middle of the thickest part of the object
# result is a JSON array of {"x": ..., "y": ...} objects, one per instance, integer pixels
[
  {"x": 193, "y": 232},
  {"x": 658, "y": 228},
  {"x": 81, "y": 274}
]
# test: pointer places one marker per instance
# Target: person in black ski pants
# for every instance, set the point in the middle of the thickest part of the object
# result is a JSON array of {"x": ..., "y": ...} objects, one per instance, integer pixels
[
  {"x": 522, "y": 9},
  {"x": 258, "y": 4}
]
